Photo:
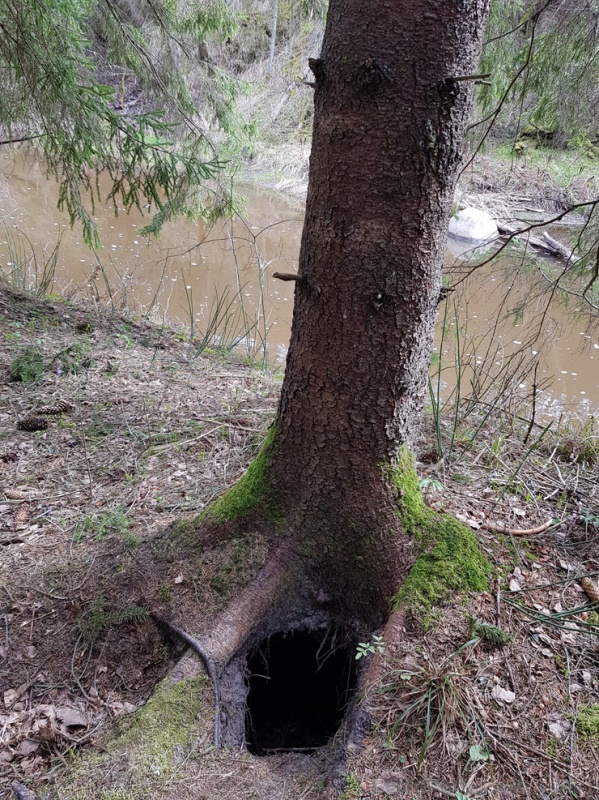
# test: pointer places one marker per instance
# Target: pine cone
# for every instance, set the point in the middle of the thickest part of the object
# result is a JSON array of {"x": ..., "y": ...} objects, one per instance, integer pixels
[
  {"x": 32, "y": 424},
  {"x": 21, "y": 517},
  {"x": 9, "y": 456},
  {"x": 19, "y": 494},
  {"x": 591, "y": 589},
  {"x": 60, "y": 407}
]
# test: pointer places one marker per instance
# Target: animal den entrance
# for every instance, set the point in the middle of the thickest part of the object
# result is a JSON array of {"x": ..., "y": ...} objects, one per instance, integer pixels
[{"x": 299, "y": 686}]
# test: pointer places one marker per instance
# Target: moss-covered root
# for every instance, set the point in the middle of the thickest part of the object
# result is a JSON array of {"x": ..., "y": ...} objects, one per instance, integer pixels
[
  {"x": 142, "y": 758},
  {"x": 251, "y": 493},
  {"x": 449, "y": 562}
]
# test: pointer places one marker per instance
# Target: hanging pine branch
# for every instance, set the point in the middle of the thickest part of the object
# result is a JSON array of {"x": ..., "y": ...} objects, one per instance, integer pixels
[{"x": 162, "y": 149}]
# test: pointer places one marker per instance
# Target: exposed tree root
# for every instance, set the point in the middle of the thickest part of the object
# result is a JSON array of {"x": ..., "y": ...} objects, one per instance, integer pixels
[
  {"x": 257, "y": 607},
  {"x": 282, "y": 599},
  {"x": 359, "y": 720},
  {"x": 291, "y": 596},
  {"x": 199, "y": 648}
]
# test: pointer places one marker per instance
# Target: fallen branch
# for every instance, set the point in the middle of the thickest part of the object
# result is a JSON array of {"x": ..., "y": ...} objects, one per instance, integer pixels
[
  {"x": 543, "y": 242},
  {"x": 489, "y": 526},
  {"x": 517, "y": 531}
]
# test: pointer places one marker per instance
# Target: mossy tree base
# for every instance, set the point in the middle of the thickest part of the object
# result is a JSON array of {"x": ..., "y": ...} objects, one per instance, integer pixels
[
  {"x": 449, "y": 560},
  {"x": 293, "y": 591}
]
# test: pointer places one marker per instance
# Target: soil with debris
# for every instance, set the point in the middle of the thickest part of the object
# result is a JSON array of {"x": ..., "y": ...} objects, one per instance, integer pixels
[{"x": 108, "y": 456}]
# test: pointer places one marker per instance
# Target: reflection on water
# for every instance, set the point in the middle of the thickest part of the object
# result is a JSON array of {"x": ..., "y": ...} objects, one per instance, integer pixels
[
  {"x": 509, "y": 323},
  {"x": 193, "y": 274}
]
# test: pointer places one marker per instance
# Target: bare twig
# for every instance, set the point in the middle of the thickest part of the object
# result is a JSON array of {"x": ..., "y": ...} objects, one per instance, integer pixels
[{"x": 519, "y": 531}]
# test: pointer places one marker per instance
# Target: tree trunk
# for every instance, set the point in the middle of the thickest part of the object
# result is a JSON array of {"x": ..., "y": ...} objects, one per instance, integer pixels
[
  {"x": 391, "y": 102},
  {"x": 273, "y": 35},
  {"x": 388, "y": 130}
]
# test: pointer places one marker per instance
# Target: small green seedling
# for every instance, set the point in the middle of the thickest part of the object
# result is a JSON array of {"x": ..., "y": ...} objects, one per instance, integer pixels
[
  {"x": 489, "y": 633},
  {"x": 430, "y": 485},
  {"x": 377, "y": 645},
  {"x": 28, "y": 366}
]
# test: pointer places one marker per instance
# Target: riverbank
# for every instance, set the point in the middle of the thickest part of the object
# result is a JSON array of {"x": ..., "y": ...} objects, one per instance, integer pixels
[
  {"x": 135, "y": 435},
  {"x": 508, "y": 181}
]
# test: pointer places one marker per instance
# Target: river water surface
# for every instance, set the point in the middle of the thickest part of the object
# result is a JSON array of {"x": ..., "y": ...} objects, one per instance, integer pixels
[{"x": 193, "y": 274}]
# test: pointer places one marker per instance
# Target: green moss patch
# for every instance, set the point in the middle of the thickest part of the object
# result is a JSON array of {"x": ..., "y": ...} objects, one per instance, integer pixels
[
  {"x": 450, "y": 561},
  {"x": 587, "y": 723},
  {"x": 250, "y": 492},
  {"x": 148, "y": 748}
]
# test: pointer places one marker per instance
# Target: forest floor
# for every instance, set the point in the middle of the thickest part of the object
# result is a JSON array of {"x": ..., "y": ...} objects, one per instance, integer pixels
[{"x": 136, "y": 433}]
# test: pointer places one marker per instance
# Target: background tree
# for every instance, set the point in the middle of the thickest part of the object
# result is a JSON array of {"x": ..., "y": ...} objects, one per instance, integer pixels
[
  {"x": 534, "y": 40},
  {"x": 541, "y": 98}
]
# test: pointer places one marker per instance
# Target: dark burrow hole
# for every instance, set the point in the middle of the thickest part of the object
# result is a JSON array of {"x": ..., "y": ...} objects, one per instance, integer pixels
[{"x": 299, "y": 686}]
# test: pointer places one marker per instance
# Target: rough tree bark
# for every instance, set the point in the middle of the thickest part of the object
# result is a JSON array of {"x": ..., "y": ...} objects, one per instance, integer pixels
[{"x": 333, "y": 484}]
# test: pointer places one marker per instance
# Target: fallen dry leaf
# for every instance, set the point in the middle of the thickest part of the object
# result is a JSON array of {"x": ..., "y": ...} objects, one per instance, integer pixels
[
  {"x": 31, "y": 765},
  {"x": 502, "y": 695},
  {"x": 27, "y": 747},
  {"x": 558, "y": 725},
  {"x": 10, "y": 697},
  {"x": 71, "y": 717},
  {"x": 389, "y": 782}
]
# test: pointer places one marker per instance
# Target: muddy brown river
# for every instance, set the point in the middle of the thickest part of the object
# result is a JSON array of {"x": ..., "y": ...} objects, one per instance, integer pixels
[{"x": 193, "y": 275}]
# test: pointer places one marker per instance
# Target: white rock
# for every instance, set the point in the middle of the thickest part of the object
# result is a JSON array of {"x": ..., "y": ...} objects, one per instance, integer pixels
[
  {"x": 472, "y": 224},
  {"x": 560, "y": 728}
]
